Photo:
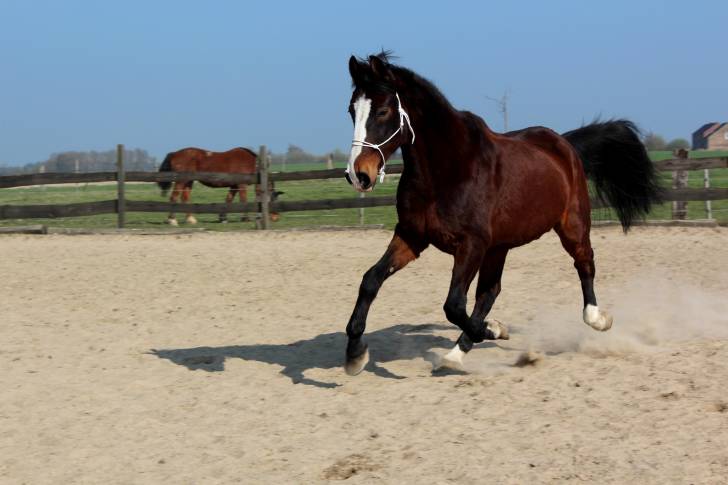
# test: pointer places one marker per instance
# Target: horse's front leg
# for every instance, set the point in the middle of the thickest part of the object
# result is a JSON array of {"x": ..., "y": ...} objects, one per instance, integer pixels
[
  {"x": 468, "y": 258},
  {"x": 488, "y": 289},
  {"x": 229, "y": 198},
  {"x": 396, "y": 257}
]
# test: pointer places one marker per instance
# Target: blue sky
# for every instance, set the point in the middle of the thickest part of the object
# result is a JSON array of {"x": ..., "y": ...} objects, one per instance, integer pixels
[{"x": 83, "y": 75}]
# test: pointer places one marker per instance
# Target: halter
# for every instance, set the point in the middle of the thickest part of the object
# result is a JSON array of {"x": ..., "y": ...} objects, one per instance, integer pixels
[{"x": 403, "y": 116}]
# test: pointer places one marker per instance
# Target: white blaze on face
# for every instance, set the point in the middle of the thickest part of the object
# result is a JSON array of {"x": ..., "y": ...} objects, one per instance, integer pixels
[{"x": 362, "y": 106}]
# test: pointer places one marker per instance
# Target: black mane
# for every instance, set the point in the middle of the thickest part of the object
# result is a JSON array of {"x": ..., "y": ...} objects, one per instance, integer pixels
[{"x": 404, "y": 77}]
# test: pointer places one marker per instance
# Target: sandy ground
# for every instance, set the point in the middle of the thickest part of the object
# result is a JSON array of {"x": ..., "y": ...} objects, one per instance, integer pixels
[{"x": 215, "y": 358}]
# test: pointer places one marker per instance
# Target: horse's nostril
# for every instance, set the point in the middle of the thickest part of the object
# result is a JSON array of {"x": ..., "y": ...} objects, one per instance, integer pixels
[{"x": 364, "y": 180}]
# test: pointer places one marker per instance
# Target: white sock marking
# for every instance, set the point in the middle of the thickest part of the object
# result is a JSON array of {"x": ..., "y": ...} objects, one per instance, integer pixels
[
  {"x": 455, "y": 355},
  {"x": 596, "y": 319},
  {"x": 591, "y": 314}
]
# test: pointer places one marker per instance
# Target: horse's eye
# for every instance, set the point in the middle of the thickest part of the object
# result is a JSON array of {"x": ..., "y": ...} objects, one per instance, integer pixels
[{"x": 382, "y": 112}]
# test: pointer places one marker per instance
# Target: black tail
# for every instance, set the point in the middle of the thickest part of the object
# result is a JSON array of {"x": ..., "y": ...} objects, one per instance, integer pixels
[
  {"x": 616, "y": 161},
  {"x": 166, "y": 166}
]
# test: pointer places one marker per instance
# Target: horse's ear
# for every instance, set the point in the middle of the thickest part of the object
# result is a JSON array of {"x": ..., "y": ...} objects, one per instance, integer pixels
[
  {"x": 380, "y": 68},
  {"x": 357, "y": 69}
]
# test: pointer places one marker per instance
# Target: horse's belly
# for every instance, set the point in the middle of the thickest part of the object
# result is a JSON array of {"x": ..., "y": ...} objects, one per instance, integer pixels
[
  {"x": 519, "y": 220},
  {"x": 215, "y": 185}
]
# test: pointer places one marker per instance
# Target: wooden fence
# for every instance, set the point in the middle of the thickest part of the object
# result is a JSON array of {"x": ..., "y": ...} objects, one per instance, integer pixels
[{"x": 264, "y": 206}]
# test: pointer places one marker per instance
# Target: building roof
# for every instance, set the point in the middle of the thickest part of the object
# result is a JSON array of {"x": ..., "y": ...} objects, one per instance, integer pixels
[
  {"x": 716, "y": 128},
  {"x": 707, "y": 129}
]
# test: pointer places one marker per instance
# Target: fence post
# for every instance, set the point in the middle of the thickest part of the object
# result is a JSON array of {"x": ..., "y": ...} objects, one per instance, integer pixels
[
  {"x": 680, "y": 181},
  {"x": 120, "y": 179},
  {"x": 263, "y": 167},
  {"x": 42, "y": 169},
  {"x": 361, "y": 210},
  {"x": 706, "y": 184}
]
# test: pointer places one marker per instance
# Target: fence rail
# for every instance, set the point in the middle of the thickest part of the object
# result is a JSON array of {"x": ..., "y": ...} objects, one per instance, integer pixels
[
  {"x": 9, "y": 181},
  {"x": 122, "y": 205}
]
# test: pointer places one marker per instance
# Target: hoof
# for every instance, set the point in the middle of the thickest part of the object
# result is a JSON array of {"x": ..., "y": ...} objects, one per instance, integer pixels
[
  {"x": 355, "y": 365},
  {"x": 453, "y": 360},
  {"x": 597, "y": 319},
  {"x": 500, "y": 331},
  {"x": 191, "y": 220},
  {"x": 172, "y": 222}
]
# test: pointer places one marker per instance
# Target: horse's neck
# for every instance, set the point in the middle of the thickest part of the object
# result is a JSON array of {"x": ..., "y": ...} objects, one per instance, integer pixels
[{"x": 440, "y": 134}]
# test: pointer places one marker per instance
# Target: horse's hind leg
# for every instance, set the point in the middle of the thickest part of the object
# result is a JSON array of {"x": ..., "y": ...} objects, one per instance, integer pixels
[
  {"x": 488, "y": 289},
  {"x": 186, "y": 199},
  {"x": 176, "y": 191},
  {"x": 573, "y": 230}
]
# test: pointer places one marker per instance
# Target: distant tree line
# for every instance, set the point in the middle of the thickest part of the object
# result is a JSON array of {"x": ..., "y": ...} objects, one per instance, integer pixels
[
  {"x": 655, "y": 142},
  {"x": 90, "y": 161},
  {"x": 296, "y": 154}
]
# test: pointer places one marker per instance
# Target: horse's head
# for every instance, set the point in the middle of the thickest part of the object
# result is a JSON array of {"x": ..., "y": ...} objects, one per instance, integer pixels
[{"x": 381, "y": 125}]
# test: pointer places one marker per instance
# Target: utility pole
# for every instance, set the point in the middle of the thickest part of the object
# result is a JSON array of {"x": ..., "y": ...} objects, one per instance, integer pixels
[{"x": 502, "y": 104}]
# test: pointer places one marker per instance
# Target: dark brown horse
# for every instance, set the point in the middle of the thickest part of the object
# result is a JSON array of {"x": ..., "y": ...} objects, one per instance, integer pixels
[
  {"x": 237, "y": 160},
  {"x": 475, "y": 194}
]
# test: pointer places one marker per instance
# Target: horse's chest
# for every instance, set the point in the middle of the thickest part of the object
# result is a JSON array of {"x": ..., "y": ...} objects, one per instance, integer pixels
[
  {"x": 442, "y": 232},
  {"x": 431, "y": 227}
]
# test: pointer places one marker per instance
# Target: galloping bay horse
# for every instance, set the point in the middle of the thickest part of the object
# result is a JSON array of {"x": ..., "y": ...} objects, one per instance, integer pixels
[
  {"x": 237, "y": 160},
  {"x": 475, "y": 194}
]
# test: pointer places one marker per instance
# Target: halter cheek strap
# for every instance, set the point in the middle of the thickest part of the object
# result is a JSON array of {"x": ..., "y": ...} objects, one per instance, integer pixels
[{"x": 403, "y": 116}]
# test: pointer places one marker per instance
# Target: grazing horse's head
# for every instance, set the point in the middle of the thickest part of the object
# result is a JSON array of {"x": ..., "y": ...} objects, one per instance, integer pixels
[{"x": 381, "y": 125}]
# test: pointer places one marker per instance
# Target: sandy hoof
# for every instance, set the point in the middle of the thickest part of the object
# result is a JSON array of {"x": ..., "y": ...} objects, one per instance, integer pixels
[
  {"x": 172, "y": 221},
  {"x": 597, "y": 319},
  {"x": 355, "y": 365},
  {"x": 191, "y": 220},
  {"x": 498, "y": 328}
]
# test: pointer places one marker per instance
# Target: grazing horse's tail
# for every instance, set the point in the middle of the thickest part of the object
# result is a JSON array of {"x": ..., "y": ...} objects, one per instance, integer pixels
[
  {"x": 166, "y": 166},
  {"x": 616, "y": 161}
]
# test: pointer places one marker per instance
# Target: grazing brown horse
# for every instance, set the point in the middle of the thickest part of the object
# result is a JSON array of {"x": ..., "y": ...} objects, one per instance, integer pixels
[
  {"x": 475, "y": 194},
  {"x": 237, "y": 160}
]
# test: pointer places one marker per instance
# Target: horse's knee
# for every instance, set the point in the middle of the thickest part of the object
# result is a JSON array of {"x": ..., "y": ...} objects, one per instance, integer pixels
[{"x": 454, "y": 308}]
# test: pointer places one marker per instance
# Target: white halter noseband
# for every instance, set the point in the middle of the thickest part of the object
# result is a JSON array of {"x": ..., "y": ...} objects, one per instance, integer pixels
[{"x": 403, "y": 116}]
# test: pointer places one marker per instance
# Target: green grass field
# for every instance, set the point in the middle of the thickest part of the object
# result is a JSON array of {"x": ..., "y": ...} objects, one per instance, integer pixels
[{"x": 302, "y": 190}]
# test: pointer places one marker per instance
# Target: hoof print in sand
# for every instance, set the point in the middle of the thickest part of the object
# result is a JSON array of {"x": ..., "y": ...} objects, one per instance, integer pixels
[{"x": 349, "y": 466}]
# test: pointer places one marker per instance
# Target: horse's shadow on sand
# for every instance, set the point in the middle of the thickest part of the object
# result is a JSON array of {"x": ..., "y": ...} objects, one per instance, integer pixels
[{"x": 325, "y": 351}]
